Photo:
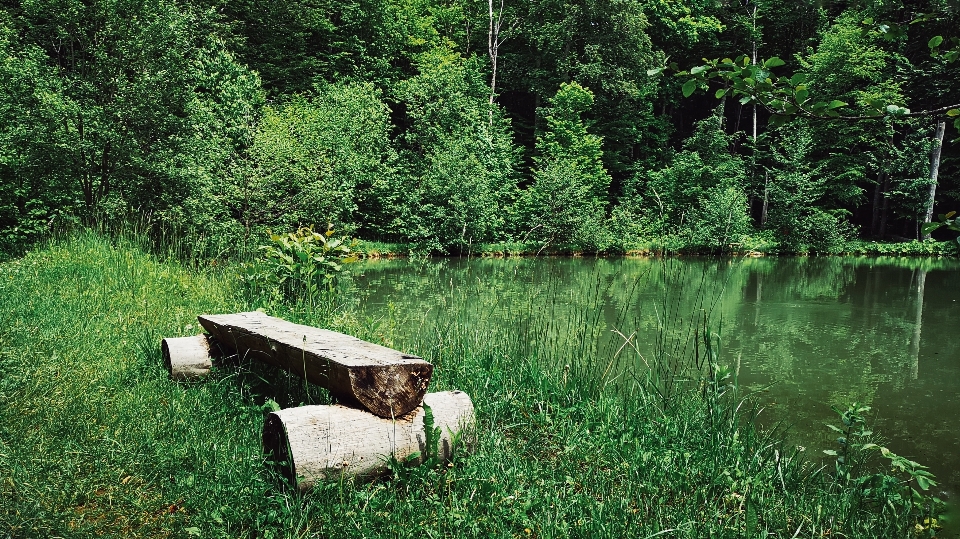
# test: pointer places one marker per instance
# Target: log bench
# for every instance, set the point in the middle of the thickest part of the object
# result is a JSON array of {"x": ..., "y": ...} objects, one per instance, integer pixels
[
  {"x": 313, "y": 443},
  {"x": 384, "y": 381}
]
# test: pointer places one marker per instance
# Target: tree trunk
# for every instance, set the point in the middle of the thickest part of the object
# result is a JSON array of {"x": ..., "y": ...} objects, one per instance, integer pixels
[
  {"x": 766, "y": 198},
  {"x": 875, "y": 221},
  {"x": 493, "y": 44},
  {"x": 884, "y": 206},
  {"x": 934, "y": 171},
  {"x": 382, "y": 380},
  {"x": 315, "y": 443}
]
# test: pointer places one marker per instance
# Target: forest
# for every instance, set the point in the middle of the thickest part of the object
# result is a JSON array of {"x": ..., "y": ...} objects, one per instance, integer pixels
[{"x": 444, "y": 125}]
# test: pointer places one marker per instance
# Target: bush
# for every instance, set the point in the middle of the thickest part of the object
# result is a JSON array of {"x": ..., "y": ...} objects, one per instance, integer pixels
[
  {"x": 459, "y": 184},
  {"x": 566, "y": 203},
  {"x": 700, "y": 193},
  {"x": 721, "y": 220},
  {"x": 317, "y": 159}
]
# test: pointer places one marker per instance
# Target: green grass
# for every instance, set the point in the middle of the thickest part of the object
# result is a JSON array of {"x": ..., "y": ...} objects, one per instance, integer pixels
[
  {"x": 672, "y": 245},
  {"x": 96, "y": 441}
]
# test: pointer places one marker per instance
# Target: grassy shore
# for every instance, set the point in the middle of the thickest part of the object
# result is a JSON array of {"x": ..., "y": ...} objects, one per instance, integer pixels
[
  {"x": 857, "y": 247},
  {"x": 96, "y": 441}
]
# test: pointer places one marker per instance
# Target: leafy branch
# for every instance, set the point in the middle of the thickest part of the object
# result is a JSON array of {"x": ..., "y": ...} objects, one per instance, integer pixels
[{"x": 788, "y": 97}]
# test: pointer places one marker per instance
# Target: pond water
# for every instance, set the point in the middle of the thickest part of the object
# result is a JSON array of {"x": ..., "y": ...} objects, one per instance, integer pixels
[{"x": 805, "y": 333}]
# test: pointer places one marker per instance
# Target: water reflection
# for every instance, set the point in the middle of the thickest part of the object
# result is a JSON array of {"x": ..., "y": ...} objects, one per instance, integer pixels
[{"x": 806, "y": 333}]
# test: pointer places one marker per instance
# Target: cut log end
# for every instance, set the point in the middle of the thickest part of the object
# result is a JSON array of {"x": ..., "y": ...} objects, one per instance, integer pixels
[
  {"x": 188, "y": 358},
  {"x": 315, "y": 443},
  {"x": 392, "y": 391},
  {"x": 276, "y": 446}
]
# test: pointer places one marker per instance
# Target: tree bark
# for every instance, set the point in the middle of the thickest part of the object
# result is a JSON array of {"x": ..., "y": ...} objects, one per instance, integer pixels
[
  {"x": 315, "y": 443},
  {"x": 875, "y": 221},
  {"x": 884, "y": 206},
  {"x": 934, "y": 171},
  {"x": 493, "y": 47},
  {"x": 384, "y": 381},
  {"x": 766, "y": 198}
]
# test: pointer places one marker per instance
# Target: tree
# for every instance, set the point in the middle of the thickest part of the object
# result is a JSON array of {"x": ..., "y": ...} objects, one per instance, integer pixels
[
  {"x": 132, "y": 99},
  {"x": 566, "y": 204},
  {"x": 296, "y": 44},
  {"x": 459, "y": 180},
  {"x": 802, "y": 214},
  {"x": 318, "y": 160},
  {"x": 859, "y": 63},
  {"x": 700, "y": 192},
  {"x": 601, "y": 45}
]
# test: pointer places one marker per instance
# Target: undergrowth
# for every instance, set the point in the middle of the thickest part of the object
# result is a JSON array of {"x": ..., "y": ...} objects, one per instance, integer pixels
[{"x": 95, "y": 440}]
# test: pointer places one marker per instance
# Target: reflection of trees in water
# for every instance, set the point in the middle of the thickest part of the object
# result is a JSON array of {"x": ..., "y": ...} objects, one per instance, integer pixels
[
  {"x": 841, "y": 323},
  {"x": 921, "y": 281},
  {"x": 822, "y": 330},
  {"x": 849, "y": 344}
]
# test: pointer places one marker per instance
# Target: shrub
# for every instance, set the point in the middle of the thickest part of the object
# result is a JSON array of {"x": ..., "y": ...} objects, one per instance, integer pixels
[
  {"x": 566, "y": 203},
  {"x": 301, "y": 267},
  {"x": 459, "y": 184}
]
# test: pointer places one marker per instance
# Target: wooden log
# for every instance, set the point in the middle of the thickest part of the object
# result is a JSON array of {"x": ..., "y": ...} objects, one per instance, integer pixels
[
  {"x": 382, "y": 380},
  {"x": 315, "y": 443},
  {"x": 189, "y": 358}
]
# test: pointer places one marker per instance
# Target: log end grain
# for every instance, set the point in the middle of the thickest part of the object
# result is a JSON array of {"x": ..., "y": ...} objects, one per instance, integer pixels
[
  {"x": 390, "y": 391},
  {"x": 315, "y": 443},
  {"x": 188, "y": 358}
]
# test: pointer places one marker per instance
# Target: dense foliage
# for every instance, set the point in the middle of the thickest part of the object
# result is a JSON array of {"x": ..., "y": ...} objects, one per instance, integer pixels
[{"x": 444, "y": 124}]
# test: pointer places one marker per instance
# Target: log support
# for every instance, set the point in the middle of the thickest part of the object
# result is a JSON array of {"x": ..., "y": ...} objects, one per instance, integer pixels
[
  {"x": 315, "y": 443},
  {"x": 189, "y": 358}
]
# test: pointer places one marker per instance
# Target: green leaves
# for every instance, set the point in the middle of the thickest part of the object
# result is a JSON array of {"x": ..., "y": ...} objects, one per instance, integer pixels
[
  {"x": 773, "y": 62},
  {"x": 565, "y": 204},
  {"x": 947, "y": 220},
  {"x": 935, "y": 42},
  {"x": 689, "y": 87},
  {"x": 303, "y": 264}
]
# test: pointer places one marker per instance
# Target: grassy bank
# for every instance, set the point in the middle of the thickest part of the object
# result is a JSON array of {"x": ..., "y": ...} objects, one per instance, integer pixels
[
  {"x": 96, "y": 441},
  {"x": 659, "y": 248}
]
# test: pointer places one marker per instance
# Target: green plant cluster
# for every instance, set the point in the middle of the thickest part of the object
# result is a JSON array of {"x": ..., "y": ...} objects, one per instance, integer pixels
[
  {"x": 893, "y": 490},
  {"x": 301, "y": 268}
]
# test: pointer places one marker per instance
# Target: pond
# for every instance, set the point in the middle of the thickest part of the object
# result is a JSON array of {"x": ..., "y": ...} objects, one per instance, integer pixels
[{"x": 805, "y": 334}]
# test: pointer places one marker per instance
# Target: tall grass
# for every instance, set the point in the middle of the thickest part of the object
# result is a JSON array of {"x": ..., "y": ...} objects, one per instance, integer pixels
[{"x": 96, "y": 441}]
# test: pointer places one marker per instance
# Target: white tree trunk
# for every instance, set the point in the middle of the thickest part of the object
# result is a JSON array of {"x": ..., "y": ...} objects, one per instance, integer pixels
[
  {"x": 934, "y": 171},
  {"x": 493, "y": 46}
]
